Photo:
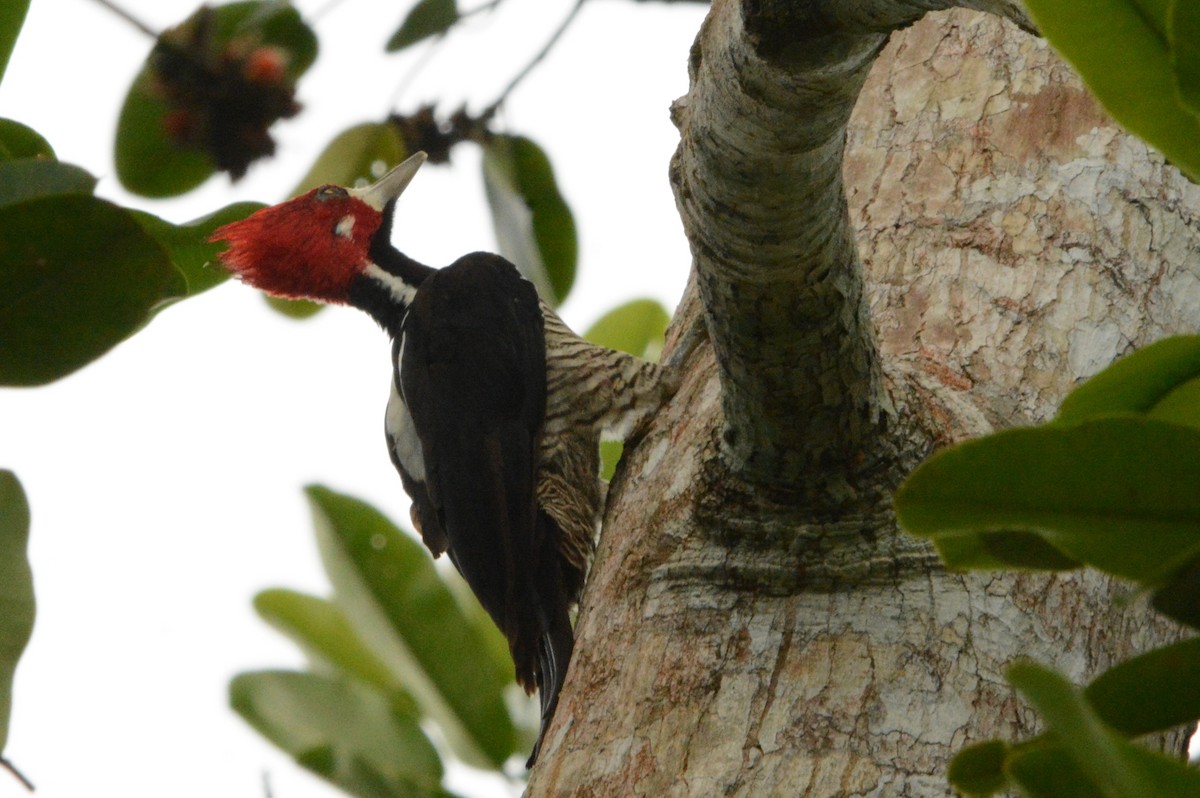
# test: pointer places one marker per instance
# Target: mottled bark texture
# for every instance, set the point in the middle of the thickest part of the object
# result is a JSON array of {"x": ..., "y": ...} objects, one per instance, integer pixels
[{"x": 755, "y": 623}]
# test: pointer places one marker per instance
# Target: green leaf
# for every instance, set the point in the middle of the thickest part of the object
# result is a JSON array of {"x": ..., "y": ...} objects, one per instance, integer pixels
[
  {"x": 152, "y": 163},
  {"x": 363, "y": 152},
  {"x": 979, "y": 769},
  {"x": 78, "y": 275},
  {"x": 1152, "y": 692},
  {"x": 426, "y": 18},
  {"x": 534, "y": 227},
  {"x": 345, "y": 732},
  {"x": 16, "y": 589},
  {"x": 1118, "y": 768},
  {"x": 638, "y": 327},
  {"x": 1139, "y": 88},
  {"x": 387, "y": 586},
  {"x": 22, "y": 141},
  {"x": 30, "y": 178},
  {"x": 12, "y": 16},
  {"x": 1118, "y": 493},
  {"x": 325, "y": 636},
  {"x": 188, "y": 247},
  {"x": 1141, "y": 382}
]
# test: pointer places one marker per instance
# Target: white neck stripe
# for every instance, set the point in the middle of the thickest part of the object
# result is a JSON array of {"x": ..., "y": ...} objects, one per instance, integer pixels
[{"x": 401, "y": 291}]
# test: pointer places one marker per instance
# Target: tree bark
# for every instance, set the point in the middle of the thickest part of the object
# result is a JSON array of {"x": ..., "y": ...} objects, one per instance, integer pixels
[{"x": 755, "y": 623}]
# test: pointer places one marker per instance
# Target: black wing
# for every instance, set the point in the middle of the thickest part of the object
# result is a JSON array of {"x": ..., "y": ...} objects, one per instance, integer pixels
[{"x": 473, "y": 377}]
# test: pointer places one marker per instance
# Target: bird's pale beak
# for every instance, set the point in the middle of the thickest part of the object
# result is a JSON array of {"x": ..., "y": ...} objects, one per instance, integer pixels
[{"x": 392, "y": 185}]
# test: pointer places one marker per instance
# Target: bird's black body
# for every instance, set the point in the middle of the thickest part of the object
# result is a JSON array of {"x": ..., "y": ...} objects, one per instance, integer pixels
[{"x": 464, "y": 426}]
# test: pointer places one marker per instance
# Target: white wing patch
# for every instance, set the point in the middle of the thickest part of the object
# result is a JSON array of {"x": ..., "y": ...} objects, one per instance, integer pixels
[{"x": 405, "y": 442}]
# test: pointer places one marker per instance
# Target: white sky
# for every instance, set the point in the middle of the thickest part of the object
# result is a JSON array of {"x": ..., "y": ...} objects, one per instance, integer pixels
[{"x": 165, "y": 479}]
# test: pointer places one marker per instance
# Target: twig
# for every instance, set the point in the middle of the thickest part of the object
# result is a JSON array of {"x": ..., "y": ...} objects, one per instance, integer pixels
[
  {"x": 431, "y": 50},
  {"x": 488, "y": 6},
  {"x": 130, "y": 18},
  {"x": 11, "y": 768},
  {"x": 537, "y": 59},
  {"x": 422, "y": 61}
]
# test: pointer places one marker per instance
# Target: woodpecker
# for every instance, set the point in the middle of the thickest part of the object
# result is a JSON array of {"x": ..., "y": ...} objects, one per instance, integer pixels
[{"x": 495, "y": 412}]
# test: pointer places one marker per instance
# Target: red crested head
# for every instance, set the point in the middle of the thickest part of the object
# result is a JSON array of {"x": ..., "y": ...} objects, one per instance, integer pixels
[
  {"x": 311, "y": 246},
  {"x": 315, "y": 245}
]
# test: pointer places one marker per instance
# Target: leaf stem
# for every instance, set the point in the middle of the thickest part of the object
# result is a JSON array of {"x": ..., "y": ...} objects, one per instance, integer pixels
[
  {"x": 11, "y": 768},
  {"x": 537, "y": 59},
  {"x": 130, "y": 18},
  {"x": 422, "y": 61}
]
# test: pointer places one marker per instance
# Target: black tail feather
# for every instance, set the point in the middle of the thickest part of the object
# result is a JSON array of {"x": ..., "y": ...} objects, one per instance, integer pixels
[{"x": 554, "y": 656}]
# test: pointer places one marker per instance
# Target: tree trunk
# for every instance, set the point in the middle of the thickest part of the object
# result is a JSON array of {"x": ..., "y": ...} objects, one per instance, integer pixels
[{"x": 755, "y": 623}]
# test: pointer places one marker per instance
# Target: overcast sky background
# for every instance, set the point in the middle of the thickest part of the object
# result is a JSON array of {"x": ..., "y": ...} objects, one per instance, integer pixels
[{"x": 165, "y": 479}]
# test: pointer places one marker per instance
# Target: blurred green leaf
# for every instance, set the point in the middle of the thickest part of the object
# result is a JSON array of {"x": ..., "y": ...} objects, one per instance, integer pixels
[
  {"x": 298, "y": 309},
  {"x": 1025, "y": 550},
  {"x": 494, "y": 648},
  {"x": 979, "y": 769},
  {"x": 272, "y": 22},
  {"x": 1179, "y": 598},
  {"x": 1182, "y": 405},
  {"x": 12, "y": 16},
  {"x": 388, "y": 588},
  {"x": 610, "y": 455},
  {"x": 325, "y": 636},
  {"x": 22, "y": 141},
  {"x": 534, "y": 227},
  {"x": 1153, "y": 692},
  {"x": 363, "y": 152},
  {"x": 1150, "y": 693},
  {"x": 1118, "y": 768},
  {"x": 426, "y": 18},
  {"x": 78, "y": 276},
  {"x": 1046, "y": 770},
  {"x": 188, "y": 246},
  {"x": 345, "y": 732},
  {"x": 1184, "y": 30},
  {"x": 16, "y": 589},
  {"x": 1118, "y": 493},
  {"x": 638, "y": 327},
  {"x": 149, "y": 161},
  {"x": 1140, "y": 88},
  {"x": 30, "y": 178},
  {"x": 1139, "y": 383}
]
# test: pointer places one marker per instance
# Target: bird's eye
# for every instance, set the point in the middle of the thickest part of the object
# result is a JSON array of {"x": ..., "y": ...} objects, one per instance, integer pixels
[{"x": 331, "y": 192}]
